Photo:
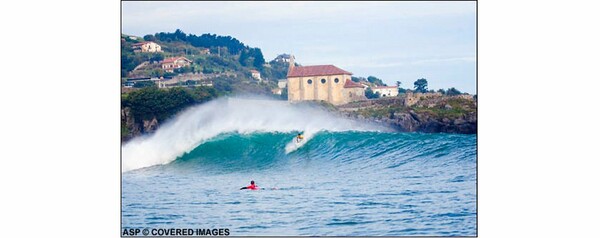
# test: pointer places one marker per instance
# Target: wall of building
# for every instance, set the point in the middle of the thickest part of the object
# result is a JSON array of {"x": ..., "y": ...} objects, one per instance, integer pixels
[
  {"x": 412, "y": 98},
  {"x": 387, "y": 92},
  {"x": 300, "y": 89},
  {"x": 282, "y": 84},
  {"x": 177, "y": 64},
  {"x": 256, "y": 76},
  {"x": 353, "y": 94},
  {"x": 153, "y": 47}
]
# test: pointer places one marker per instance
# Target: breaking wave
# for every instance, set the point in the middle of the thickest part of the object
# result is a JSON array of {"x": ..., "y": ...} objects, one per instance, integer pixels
[{"x": 201, "y": 123}]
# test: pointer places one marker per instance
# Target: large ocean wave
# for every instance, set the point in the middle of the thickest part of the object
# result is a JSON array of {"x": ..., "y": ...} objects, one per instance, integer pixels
[{"x": 200, "y": 124}]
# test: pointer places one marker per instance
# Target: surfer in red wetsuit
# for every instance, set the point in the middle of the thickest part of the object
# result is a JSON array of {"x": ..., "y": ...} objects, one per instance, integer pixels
[{"x": 252, "y": 186}]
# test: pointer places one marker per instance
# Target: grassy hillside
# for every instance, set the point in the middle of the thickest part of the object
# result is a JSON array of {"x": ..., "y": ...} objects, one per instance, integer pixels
[
  {"x": 226, "y": 54},
  {"x": 228, "y": 63}
]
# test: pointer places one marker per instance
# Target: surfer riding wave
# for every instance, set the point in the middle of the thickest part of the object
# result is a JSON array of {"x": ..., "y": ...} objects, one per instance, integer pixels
[{"x": 299, "y": 138}]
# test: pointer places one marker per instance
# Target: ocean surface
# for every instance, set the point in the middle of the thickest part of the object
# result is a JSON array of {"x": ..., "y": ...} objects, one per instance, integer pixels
[{"x": 345, "y": 180}]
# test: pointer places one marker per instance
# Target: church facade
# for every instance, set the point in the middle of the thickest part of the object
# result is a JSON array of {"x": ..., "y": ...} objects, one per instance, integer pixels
[{"x": 322, "y": 82}]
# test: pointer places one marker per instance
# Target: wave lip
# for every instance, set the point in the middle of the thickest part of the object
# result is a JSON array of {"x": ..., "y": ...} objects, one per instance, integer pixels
[{"x": 200, "y": 123}]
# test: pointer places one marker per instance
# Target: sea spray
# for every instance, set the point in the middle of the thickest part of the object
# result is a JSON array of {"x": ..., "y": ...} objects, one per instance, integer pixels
[
  {"x": 295, "y": 144},
  {"x": 200, "y": 123}
]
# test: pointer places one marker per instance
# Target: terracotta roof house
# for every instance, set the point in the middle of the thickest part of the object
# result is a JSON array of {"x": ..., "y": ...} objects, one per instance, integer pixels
[
  {"x": 169, "y": 64},
  {"x": 255, "y": 74},
  {"x": 316, "y": 70},
  {"x": 322, "y": 83},
  {"x": 352, "y": 84}
]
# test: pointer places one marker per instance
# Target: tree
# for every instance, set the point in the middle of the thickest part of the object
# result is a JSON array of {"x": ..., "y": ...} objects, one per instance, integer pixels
[
  {"x": 259, "y": 59},
  {"x": 179, "y": 35},
  {"x": 150, "y": 102},
  {"x": 244, "y": 58},
  {"x": 442, "y": 91},
  {"x": 400, "y": 90},
  {"x": 156, "y": 57},
  {"x": 357, "y": 79},
  {"x": 183, "y": 70},
  {"x": 149, "y": 38},
  {"x": 203, "y": 94},
  {"x": 284, "y": 94},
  {"x": 453, "y": 91},
  {"x": 421, "y": 85},
  {"x": 211, "y": 41},
  {"x": 375, "y": 80},
  {"x": 370, "y": 94}
]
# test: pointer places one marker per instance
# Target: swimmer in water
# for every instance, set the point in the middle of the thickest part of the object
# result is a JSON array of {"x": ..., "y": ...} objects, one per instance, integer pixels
[{"x": 252, "y": 186}]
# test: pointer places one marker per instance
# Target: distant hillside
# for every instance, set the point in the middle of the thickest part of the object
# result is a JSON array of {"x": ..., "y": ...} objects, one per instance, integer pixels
[
  {"x": 209, "y": 53},
  {"x": 223, "y": 61}
]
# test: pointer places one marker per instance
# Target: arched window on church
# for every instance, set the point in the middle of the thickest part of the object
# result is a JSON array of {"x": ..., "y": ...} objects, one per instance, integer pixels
[
  {"x": 350, "y": 94},
  {"x": 323, "y": 81},
  {"x": 309, "y": 81},
  {"x": 336, "y": 80}
]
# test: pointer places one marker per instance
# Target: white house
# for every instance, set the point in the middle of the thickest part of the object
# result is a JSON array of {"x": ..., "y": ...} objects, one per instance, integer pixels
[
  {"x": 386, "y": 91},
  {"x": 285, "y": 58},
  {"x": 169, "y": 64},
  {"x": 255, "y": 75},
  {"x": 282, "y": 83},
  {"x": 147, "y": 46},
  {"x": 277, "y": 91}
]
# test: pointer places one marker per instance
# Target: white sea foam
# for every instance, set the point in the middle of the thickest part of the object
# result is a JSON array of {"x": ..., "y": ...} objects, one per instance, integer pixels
[{"x": 200, "y": 123}]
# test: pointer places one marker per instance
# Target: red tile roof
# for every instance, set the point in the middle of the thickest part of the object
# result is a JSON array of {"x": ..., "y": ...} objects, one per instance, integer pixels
[
  {"x": 384, "y": 87},
  {"x": 315, "y": 70},
  {"x": 351, "y": 84},
  {"x": 173, "y": 59},
  {"x": 142, "y": 43}
]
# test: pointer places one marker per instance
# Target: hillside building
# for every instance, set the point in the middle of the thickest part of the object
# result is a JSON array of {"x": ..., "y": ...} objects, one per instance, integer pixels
[
  {"x": 386, "y": 91},
  {"x": 282, "y": 83},
  {"x": 277, "y": 91},
  {"x": 147, "y": 46},
  {"x": 322, "y": 82},
  {"x": 205, "y": 51},
  {"x": 255, "y": 75},
  {"x": 170, "y": 64},
  {"x": 284, "y": 58}
]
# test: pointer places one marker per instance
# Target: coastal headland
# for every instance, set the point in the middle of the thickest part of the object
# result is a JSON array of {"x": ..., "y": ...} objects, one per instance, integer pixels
[{"x": 165, "y": 73}]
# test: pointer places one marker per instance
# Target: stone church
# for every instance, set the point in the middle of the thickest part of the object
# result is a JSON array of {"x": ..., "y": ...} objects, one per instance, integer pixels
[{"x": 322, "y": 82}]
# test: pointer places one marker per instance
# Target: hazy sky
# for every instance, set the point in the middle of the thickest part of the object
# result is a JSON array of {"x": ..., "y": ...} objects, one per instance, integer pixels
[{"x": 394, "y": 41}]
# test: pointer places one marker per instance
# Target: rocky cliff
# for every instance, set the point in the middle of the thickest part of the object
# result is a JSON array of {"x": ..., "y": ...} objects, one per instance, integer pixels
[
  {"x": 130, "y": 127},
  {"x": 430, "y": 112}
]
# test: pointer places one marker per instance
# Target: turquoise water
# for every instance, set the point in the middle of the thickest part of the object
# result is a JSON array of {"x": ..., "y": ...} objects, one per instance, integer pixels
[{"x": 344, "y": 183}]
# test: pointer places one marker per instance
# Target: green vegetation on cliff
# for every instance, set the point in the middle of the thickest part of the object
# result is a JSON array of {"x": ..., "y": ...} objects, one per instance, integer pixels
[
  {"x": 151, "y": 102},
  {"x": 232, "y": 45},
  {"x": 452, "y": 108},
  {"x": 444, "y": 107},
  {"x": 429, "y": 112},
  {"x": 225, "y": 54}
]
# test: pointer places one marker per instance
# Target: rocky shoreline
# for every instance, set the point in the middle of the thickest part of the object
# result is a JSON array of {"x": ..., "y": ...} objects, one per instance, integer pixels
[{"x": 428, "y": 113}]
